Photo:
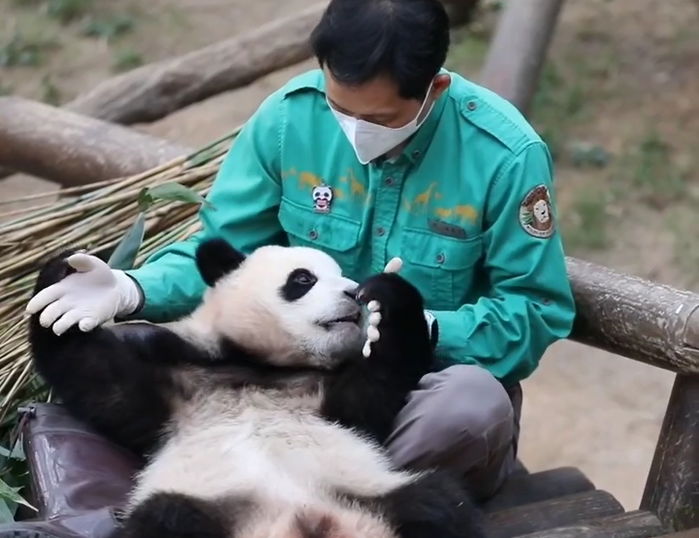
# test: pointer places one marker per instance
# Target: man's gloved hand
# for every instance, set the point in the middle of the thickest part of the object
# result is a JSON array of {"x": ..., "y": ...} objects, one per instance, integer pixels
[{"x": 92, "y": 295}]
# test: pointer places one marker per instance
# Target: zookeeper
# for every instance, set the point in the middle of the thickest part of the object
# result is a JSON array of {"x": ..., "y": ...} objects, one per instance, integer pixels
[{"x": 382, "y": 152}]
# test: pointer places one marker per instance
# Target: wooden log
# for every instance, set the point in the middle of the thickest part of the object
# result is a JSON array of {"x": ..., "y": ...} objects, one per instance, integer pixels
[
  {"x": 518, "y": 49},
  {"x": 551, "y": 513},
  {"x": 636, "y": 318},
  {"x": 528, "y": 488},
  {"x": 636, "y": 524},
  {"x": 155, "y": 90},
  {"x": 672, "y": 488},
  {"x": 72, "y": 149}
]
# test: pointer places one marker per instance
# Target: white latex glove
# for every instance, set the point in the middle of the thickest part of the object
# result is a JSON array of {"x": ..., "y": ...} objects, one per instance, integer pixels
[{"x": 90, "y": 297}]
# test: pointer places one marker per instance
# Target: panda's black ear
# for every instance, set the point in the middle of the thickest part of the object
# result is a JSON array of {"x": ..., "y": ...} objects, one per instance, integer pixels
[{"x": 217, "y": 258}]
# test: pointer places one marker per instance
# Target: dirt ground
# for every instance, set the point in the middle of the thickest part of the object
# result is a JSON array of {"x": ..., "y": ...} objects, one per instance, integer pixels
[{"x": 583, "y": 407}]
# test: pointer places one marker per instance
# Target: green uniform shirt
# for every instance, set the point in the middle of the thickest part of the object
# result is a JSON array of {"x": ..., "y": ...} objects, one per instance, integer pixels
[{"x": 464, "y": 206}]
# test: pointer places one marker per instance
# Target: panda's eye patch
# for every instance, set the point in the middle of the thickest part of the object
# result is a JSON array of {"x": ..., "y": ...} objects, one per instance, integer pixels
[
  {"x": 301, "y": 276},
  {"x": 297, "y": 284}
]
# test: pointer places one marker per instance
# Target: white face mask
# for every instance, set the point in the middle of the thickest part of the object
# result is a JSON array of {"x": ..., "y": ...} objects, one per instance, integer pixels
[{"x": 371, "y": 140}]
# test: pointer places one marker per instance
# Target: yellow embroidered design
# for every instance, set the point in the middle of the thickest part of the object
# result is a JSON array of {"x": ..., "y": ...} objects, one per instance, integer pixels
[
  {"x": 424, "y": 197},
  {"x": 466, "y": 212},
  {"x": 443, "y": 213},
  {"x": 288, "y": 173},
  {"x": 356, "y": 188},
  {"x": 308, "y": 179}
]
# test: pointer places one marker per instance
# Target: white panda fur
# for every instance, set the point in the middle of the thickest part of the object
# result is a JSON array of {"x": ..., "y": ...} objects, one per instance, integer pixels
[{"x": 242, "y": 407}]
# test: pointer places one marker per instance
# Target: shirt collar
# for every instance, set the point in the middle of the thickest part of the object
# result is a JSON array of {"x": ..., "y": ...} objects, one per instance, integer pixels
[{"x": 420, "y": 141}]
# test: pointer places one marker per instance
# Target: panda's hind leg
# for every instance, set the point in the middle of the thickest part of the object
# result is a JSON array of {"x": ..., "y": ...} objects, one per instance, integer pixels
[
  {"x": 434, "y": 504},
  {"x": 174, "y": 515}
]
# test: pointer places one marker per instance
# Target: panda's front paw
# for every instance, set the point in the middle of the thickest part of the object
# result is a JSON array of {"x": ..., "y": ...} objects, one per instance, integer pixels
[
  {"x": 394, "y": 305},
  {"x": 393, "y": 293}
]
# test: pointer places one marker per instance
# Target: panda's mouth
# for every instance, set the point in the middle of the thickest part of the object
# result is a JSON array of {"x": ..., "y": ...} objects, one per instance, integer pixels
[{"x": 350, "y": 318}]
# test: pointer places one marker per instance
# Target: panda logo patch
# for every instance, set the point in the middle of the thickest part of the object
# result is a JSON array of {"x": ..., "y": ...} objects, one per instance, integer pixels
[
  {"x": 322, "y": 198},
  {"x": 536, "y": 214}
]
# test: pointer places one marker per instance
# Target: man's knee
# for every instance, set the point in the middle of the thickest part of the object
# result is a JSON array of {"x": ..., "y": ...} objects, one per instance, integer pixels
[
  {"x": 469, "y": 403},
  {"x": 461, "y": 413}
]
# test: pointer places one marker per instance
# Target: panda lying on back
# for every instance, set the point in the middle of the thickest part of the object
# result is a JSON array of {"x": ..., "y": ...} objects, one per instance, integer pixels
[{"x": 258, "y": 413}]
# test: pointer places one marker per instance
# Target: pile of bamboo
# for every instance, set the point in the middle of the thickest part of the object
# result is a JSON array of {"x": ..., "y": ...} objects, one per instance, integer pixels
[{"x": 95, "y": 217}]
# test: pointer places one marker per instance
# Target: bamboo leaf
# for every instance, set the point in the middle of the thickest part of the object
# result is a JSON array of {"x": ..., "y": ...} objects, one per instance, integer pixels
[
  {"x": 175, "y": 192},
  {"x": 10, "y": 494},
  {"x": 124, "y": 255},
  {"x": 7, "y": 511}
]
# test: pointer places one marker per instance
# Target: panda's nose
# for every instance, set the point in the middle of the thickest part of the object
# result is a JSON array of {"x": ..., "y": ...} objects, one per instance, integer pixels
[
  {"x": 352, "y": 294},
  {"x": 351, "y": 288}
]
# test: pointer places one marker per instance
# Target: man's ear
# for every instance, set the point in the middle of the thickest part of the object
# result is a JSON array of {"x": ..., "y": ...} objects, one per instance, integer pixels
[
  {"x": 440, "y": 84},
  {"x": 217, "y": 258}
]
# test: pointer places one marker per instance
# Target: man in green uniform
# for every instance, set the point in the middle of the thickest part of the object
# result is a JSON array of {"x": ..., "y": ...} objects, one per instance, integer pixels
[{"x": 382, "y": 153}]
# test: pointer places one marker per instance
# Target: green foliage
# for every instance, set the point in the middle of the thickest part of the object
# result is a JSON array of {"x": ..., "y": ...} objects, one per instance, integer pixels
[
  {"x": 649, "y": 170},
  {"x": 125, "y": 60},
  {"x": 557, "y": 104},
  {"x": 467, "y": 51},
  {"x": 587, "y": 222},
  {"x": 587, "y": 155},
  {"x": 22, "y": 51},
  {"x": 124, "y": 256},
  {"x": 170, "y": 191},
  {"x": 49, "y": 91},
  {"x": 66, "y": 11},
  {"x": 108, "y": 28},
  {"x": 13, "y": 478},
  {"x": 683, "y": 222}
]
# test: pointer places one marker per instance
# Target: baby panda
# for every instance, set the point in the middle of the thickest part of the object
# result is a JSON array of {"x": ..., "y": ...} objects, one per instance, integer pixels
[{"x": 258, "y": 414}]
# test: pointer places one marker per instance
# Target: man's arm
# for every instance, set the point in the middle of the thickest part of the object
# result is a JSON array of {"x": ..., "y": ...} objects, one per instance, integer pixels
[
  {"x": 244, "y": 197},
  {"x": 530, "y": 304}
]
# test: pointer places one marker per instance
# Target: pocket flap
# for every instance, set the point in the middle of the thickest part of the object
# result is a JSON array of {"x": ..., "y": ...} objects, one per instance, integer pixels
[
  {"x": 428, "y": 249},
  {"x": 329, "y": 231}
]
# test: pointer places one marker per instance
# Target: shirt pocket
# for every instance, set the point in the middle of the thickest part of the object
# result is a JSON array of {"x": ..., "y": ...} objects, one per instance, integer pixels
[
  {"x": 443, "y": 268},
  {"x": 336, "y": 235}
]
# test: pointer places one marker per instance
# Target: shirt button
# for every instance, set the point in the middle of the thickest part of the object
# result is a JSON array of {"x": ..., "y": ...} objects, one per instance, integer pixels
[
  {"x": 313, "y": 234},
  {"x": 388, "y": 181},
  {"x": 471, "y": 105},
  {"x": 440, "y": 257},
  {"x": 380, "y": 231},
  {"x": 416, "y": 154}
]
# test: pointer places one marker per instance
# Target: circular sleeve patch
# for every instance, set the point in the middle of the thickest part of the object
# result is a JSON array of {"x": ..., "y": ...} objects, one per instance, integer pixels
[{"x": 536, "y": 214}]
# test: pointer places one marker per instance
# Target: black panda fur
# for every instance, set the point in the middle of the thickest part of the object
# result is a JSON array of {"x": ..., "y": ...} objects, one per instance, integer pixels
[{"x": 149, "y": 388}]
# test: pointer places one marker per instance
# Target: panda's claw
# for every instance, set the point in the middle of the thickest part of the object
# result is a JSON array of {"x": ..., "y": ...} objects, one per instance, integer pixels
[
  {"x": 366, "y": 350},
  {"x": 372, "y": 334},
  {"x": 374, "y": 306},
  {"x": 375, "y": 318}
]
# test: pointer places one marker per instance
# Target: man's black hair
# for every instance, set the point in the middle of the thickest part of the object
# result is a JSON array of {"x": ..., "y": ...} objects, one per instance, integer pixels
[{"x": 406, "y": 40}]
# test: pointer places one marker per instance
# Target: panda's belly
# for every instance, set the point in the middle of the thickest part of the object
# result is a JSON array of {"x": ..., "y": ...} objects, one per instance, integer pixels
[{"x": 267, "y": 445}]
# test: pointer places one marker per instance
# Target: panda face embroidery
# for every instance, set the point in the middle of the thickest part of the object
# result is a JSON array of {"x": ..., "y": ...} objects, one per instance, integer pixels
[{"x": 322, "y": 197}]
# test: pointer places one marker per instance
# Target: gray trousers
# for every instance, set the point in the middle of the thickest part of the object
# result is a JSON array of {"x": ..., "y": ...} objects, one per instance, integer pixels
[{"x": 462, "y": 419}]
